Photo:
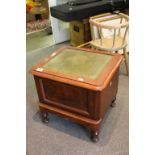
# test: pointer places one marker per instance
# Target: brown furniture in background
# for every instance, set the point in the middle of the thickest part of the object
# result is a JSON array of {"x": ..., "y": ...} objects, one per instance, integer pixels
[
  {"x": 79, "y": 32},
  {"x": 39, "y": 11},
  {"x": 77, "y": 84}
]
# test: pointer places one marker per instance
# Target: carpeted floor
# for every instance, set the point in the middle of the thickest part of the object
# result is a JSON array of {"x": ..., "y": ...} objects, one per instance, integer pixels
[
  {"x": 39, "y": 40},
  {"x": 62, "y": 137}
]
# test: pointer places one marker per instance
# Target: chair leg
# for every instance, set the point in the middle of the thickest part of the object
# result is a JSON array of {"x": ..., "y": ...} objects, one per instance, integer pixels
[
  {"x": 93, "y": 48},
  {"x": 126, "y": 62},
  {"x": 83, "y": 45}
]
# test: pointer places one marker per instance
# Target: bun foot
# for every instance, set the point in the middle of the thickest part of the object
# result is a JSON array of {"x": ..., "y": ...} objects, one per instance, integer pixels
[
  {"x": 44, "y": 116},
  {"x": 113, "y": 103},
  {"x": 95, "y": 139},
  {"x": 95, "y": 136}
]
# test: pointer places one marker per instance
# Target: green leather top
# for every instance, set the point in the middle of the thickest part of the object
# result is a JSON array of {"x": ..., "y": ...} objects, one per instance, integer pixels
[{"x": 78, "y": 63}]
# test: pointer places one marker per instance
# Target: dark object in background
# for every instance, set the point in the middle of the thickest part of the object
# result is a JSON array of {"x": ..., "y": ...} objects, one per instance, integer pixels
[
  {"x": 81, "y": 2},
  {"x": 78, "y": 9}
]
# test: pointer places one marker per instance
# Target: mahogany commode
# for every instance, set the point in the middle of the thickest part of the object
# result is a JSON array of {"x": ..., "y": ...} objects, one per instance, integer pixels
[{"x": 78, "y": 84}]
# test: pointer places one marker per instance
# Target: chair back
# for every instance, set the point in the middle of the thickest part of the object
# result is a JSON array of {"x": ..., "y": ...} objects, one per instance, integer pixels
[{"x": 109, "y": 31}]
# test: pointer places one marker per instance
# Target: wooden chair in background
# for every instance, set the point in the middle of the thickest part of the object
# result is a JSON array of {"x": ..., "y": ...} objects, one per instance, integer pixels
[{"x": 109, "y": 32}]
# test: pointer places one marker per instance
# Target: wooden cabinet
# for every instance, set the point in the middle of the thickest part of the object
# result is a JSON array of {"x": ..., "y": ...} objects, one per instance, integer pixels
[
  {"x": 79, "y": 90},
  {"x": 79, "y": 32}
]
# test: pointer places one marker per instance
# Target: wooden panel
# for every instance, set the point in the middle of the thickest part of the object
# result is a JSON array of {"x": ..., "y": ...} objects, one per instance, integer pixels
[
  {"x": 64, "y": 96},
  {"x": 94, "y": 104},
  {"x": 80, "y": 32},
  {"x": 108, "y": 94}
]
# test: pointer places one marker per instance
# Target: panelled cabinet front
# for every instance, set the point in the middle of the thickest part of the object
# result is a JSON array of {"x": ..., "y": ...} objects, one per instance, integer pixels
[{"x": 74, "y": 99}]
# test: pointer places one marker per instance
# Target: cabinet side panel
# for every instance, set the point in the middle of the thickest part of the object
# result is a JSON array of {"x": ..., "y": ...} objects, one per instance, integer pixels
[
  {"x": 94, "y": 104},
  {"x": 108, "y": 94}
]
